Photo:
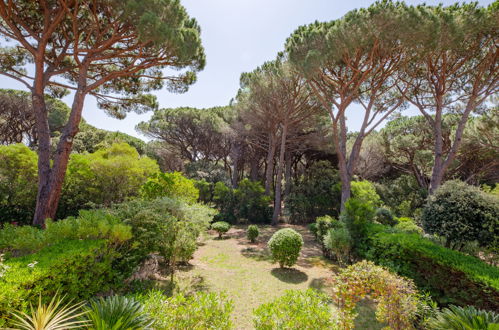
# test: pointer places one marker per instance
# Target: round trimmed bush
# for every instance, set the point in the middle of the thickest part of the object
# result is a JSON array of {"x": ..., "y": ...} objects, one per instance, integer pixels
[
  {"x": 253, "y": 233},
  {"x": 221, "y": 227},
  {"x": 285, "y": 246},
  {"x": 462, "y": 213}
]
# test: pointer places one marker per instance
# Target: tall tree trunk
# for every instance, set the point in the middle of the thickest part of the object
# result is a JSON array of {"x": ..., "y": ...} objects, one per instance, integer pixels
[
  {"x": 236, "y": 156},
  {"x": 278, "y": 186},
  {"x": 254, "y": 169},
  {"x": 269, "y": 175},
  {"x": 287, "y": 173},
  {"x": 437, "y": 175}
]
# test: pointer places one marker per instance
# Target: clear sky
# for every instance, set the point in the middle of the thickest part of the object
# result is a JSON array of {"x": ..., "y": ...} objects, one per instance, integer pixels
[{"x": 238, "y": 36}]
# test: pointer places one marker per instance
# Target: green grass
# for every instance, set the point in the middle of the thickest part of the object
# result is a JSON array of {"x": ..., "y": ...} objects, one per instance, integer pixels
[{"x": 245, "y": 273}]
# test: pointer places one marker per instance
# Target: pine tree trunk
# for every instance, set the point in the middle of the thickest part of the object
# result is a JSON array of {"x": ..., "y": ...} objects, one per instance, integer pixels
[
  {"x": 287, "y": 173},
  {"x": 270, "y": 165},
  {"x": 278, "y": 188}
]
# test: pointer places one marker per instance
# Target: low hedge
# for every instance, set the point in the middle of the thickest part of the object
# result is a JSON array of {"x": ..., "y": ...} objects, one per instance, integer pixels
[
  {"x": 450, "y": 276},
  {"x": 76, "y": 268}
]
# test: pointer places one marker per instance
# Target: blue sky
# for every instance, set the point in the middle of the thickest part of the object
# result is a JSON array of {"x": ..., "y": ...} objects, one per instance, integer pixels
[{"x": 238, "y": 36}]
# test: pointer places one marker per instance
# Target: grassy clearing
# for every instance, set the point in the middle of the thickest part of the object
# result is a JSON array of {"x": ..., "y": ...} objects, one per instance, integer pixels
[{"x": 245, "y": 273}]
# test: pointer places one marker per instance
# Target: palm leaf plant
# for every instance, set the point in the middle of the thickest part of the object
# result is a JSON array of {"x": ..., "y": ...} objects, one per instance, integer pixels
[{"x": 465, "y": 318}]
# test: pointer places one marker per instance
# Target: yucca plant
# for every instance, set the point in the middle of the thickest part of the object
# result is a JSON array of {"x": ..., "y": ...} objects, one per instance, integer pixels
[
  {"x": 116, "y": 313},
  {"x": 54, "y": 316},
  {"x": 464, "y": 318}
]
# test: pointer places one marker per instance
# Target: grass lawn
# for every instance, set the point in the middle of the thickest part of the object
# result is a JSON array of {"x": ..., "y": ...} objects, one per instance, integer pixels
[{"x": 244, "y": 271}]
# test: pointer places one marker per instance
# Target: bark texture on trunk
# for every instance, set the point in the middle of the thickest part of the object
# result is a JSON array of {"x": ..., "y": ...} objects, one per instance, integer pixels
[
  {"x": 278, "y": 186},
  {"x": 287, "y": 173},
  {"x": 269, "y": 174}
]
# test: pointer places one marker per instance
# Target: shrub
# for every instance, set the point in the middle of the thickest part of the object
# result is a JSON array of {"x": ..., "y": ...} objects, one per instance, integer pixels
[
  {"x": 18, "y": 177},
  {"x": 173, "y": 185},
  {"x": 253, "y": 233},
  {"x": 402, "y": 195},
  {"x": 450, "y": 276},
  {"x": 221, "y": 227},
  {"x": 116, "y": 312},
  {"x": 295, "y": 310},
  {"x": 357, "y": 216},
  {"x": 324, "y": 223},
  {"x": 365, "y": 192},
  {"x": 339, "y": 242},
  {"x": 90, "y": 224},
  {"x": 52, "y": 316},
  {"x": 285, "y": 246},
  {"x": 408, "y": 225},
  {"x": 315, "y": 194},
  {"x": 205, "y": 190},
  {"x": 76, "y": 268},
  {"x": 467, "y": 317},
  {"x": 462, "y": 213},
  {"x": 313, "y": 229},
  {"x": 202, "y": 310},
  {"x": 384, "y": 217},
  {"x": 396, "y": 297}
]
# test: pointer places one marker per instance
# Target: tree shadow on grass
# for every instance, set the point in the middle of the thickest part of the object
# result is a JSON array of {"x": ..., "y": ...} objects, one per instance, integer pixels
[
  {"x": 318, "y": 284},
  {"x": 256, "y": 254},
  {"x": 289, "y": 275}
]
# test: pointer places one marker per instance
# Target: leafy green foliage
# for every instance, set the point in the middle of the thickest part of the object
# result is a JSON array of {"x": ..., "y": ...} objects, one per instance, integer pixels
[
  {"x": 402, "y": 195},
  {"x": 18, "y": 177},
  {"x": 202, "y": 310},
  {"x": 316, "y": 194},
  {"x": 285, "y": 246},
  {"x": 221, "y": 227},
  {"x": 396, "y": 297},
  {"x": 462, "y": 213},
  {"x": 168, "y": 226},
  {"x": 87, "y": 269},
  {"x": 90, "y": 224},
  {"x": 339, "y": 241},
  {"x": 115, "y": 313},
  {"x": 248, "y": 201},
  {"x": 173, "y": 185},
  {"x": 365, "y": 192},
  {"x": 384, "y": 217},
  {"x": 450, "y": 276},
  {"x": 357, "y": 215},
  {"x": 323, "y": 225},
  {"x": 52, "y": 316},
  {"x": 253, "y": 233},
  {"x": 295, "y": 310},
  {"x": 104, "y": 177},
  {"x": 467, "y": 318},
  {"x": 408, "y": 225}
]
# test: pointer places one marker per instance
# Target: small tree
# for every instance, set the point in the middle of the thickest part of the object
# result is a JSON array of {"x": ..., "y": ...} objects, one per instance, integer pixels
[
  {"x": 253, "y": 233},
  {"x": 462, "y": 213},
  {"x": 285, "y": 246},
  {"x": 221, "y": 227}
]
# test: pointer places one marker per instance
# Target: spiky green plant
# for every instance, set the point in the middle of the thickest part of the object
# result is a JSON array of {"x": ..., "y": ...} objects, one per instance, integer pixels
[
  {"x": 54, "y": 316},
  {"x": 464, "y": 318},
  {"x": 116, "y": 313}
]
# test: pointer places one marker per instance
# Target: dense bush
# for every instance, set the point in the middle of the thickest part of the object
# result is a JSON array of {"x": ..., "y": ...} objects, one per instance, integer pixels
[
  {"x": 168, "y": 226},
  {"x": 76, "y": 268},
  {"x": 285, "y": 246},
  {"x": 295, "y": 310},
  {"x": 323, "y": 225},
  {"x": 205, "y": 189},
  {"x": 384, "y": 217},
  {"x": 107, "y": 176},
  {"x": 365, "y": 192},
  {"x": 339, "y": 242},
  {"x": 18, "y": 177},
  {"x": 396, "y": 297},
  {"x": 408, "y": 225},
  {"x": 462, "y": 213},
  {"x": 90, "y": 224},
  {"x": 450, "y": 276},
  {"x": 315, "y": 194},
  {"x": 221, "y": 227},
  {"x": 253, "y": 233},
  {"x": 248, "y": 201},
  {"x": 173, "y": 185},
  {"x": 116, "y": 312},
  {"x": 202, "y": 310},
  {"x": 357, "y": 216},
  {"x": 467, "y": 317}
]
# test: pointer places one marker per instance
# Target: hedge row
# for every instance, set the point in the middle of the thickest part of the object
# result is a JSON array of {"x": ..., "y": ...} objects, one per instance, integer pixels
[
  {"x": 76, "y": 268},
  {"x": 450, "y": 276}
]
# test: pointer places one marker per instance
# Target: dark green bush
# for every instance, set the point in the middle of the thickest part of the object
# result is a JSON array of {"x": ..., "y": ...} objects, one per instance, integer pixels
[
  {"x": 295, "y": 310},
  {"x": 315, "y": 194},
  {"x": 339, "y": 243},
  {"x": 248, "y": 201},
  {"x": 221, "y": 227},
  {"x": 462, "y": 213},
  {"x": 253, "y": 233},
  {"x": 76, "y": 268},
  {"x": 384, "y": 217},
  {"x": 357, "y": 216},
  {"x": 323, "y": 224},
  {"x": 285, "y": 246},
  {"x": 450, "y": 276}
]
